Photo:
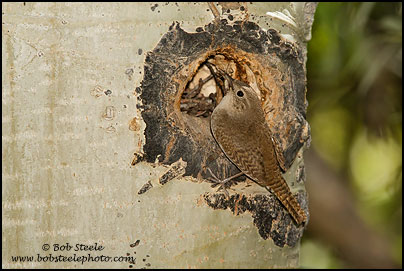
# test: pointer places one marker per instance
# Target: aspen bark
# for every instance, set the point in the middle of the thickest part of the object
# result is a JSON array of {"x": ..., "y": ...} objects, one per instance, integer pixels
[{"x": 78, "y": 180}]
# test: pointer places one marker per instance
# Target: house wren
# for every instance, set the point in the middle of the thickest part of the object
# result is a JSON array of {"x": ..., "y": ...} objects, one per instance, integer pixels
[{"x": 239, "y": 127}]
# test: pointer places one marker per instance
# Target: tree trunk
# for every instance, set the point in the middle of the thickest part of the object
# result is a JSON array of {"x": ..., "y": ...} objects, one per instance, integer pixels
[{"x": 97, "y": 152}]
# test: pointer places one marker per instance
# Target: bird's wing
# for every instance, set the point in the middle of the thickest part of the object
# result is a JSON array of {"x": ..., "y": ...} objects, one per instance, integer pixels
[
  {"x": 278, "y": 150},
  {"x": 243, "y": 149}
]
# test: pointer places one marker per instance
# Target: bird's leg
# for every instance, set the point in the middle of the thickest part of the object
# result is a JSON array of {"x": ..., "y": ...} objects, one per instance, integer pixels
[{"x": 222, "y": 182}]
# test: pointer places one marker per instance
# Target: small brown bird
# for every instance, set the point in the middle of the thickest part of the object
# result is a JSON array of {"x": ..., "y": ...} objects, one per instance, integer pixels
[{"x": 239, "y": 127}]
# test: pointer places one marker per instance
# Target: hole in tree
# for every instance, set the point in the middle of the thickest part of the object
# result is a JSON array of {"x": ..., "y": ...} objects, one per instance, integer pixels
[{"x": 202, "y": 94}]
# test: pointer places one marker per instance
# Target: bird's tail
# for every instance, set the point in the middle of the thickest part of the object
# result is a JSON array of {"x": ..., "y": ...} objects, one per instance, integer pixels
[{"x": 282, "y": 192}]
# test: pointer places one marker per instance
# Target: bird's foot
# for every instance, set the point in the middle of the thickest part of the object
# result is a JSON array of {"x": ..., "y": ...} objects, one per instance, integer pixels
[
  {"x": 216, "y": 180},
  {"x": 222, "y": 183}
]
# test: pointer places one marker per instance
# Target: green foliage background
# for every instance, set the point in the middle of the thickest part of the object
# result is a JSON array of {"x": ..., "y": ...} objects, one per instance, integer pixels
[{"x": 354, "y": 74}]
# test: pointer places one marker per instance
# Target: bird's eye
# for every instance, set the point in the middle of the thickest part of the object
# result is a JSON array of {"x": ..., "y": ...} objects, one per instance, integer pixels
[{"x": 240, "y": 93}]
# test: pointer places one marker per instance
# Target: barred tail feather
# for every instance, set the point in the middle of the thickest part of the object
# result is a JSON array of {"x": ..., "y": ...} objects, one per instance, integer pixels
[
  {"x": 282, "y": 192},
  {"x": 294, "y": 209}
]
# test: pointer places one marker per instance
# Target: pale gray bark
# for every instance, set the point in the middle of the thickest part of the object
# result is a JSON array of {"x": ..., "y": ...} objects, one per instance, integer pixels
[{"x": 71, "y": 127}]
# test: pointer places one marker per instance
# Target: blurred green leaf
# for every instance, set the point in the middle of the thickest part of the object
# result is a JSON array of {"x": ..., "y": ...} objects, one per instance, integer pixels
[
  {"x": 316, "y": 255},
  {"x": 374, "y": 165},
  {"x": 331, "y": 134}
]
